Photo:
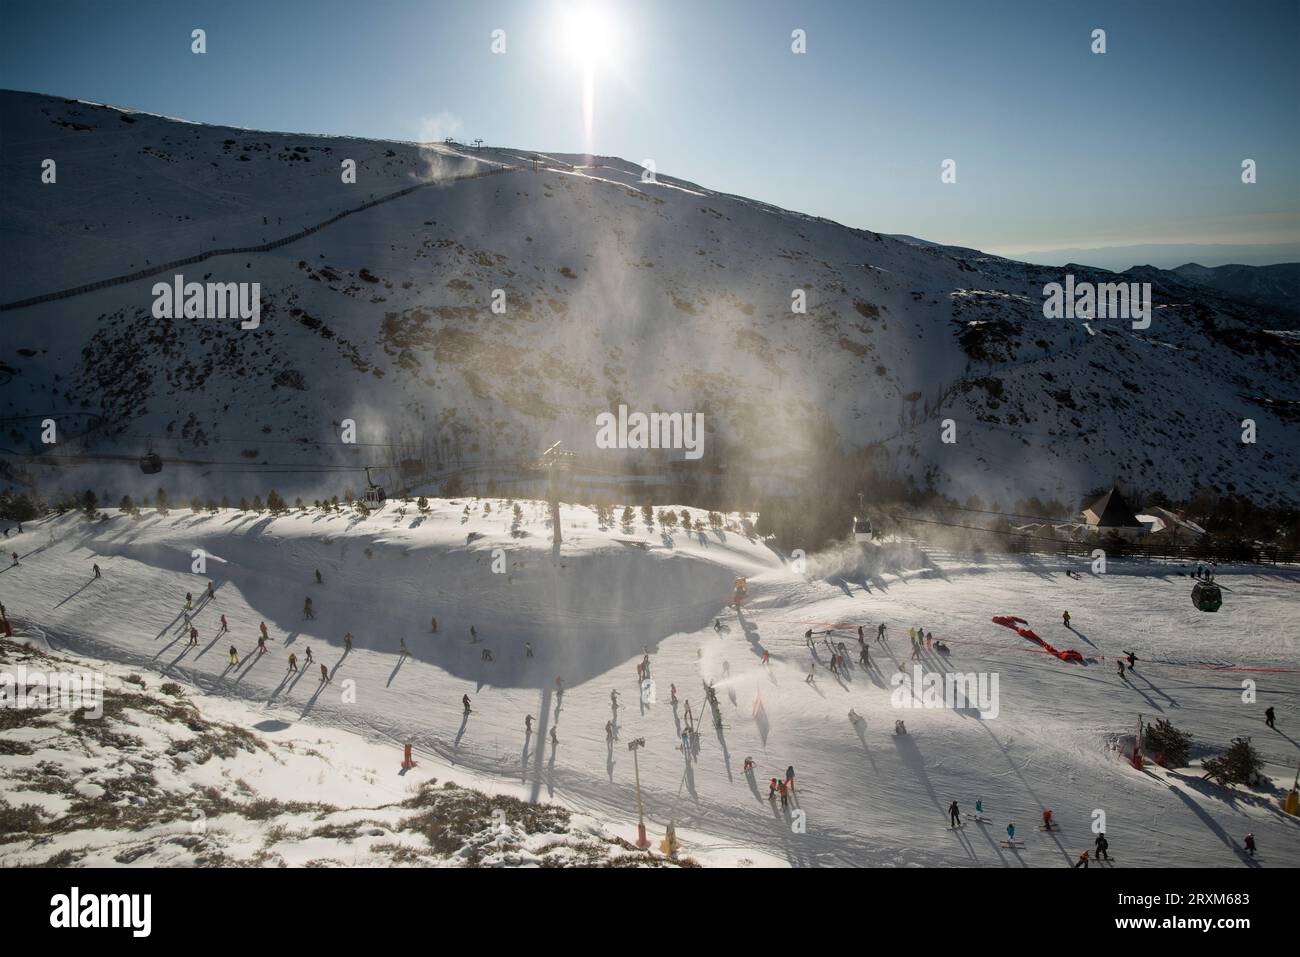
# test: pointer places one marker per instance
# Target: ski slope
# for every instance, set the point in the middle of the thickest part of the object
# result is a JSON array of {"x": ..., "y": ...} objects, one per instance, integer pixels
[{"x": 868, "y": 797}]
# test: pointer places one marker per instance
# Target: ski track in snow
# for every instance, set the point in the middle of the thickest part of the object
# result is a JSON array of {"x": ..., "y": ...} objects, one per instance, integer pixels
[{"x": 870, "y": 798}]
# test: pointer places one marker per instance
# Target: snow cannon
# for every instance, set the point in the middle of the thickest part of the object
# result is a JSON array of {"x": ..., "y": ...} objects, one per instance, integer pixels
[{"x": 740, "y": 593}]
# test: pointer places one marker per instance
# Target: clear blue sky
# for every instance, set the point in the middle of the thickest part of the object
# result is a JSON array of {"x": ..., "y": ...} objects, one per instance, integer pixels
[{"x": 1055, "y": 146}]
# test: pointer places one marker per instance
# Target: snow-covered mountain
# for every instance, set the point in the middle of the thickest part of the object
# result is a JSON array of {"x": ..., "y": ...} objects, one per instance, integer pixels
[{"x": 659, "y": 295}]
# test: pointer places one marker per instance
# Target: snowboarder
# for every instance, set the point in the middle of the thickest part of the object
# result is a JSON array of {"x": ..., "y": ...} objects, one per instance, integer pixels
[
  {"x": 306, "y": 609},
  {"x": 1065, "y": 618},
  {"x": 347, "y": 641},
  {"x": 1101, "y": 844},
  {"x": 1083, "y": 860},
  {"x": 293, "y": 662},
  {"x": 234, "y": 655},
  {"x": 318, "y": 578},
  {"x": 96, "y": 568},
  {"x": 1132, "y": 660},
  {"x": 324, "y": 674},
  {"x": 979, "y": 810},
  {"x": 464, "y": 700},
  {"x": 528, "y": 649},
  {"x": 1270, "y": 718},
  {"x": 954, "y": 813},
  {"x": 1250, "y": 844}
]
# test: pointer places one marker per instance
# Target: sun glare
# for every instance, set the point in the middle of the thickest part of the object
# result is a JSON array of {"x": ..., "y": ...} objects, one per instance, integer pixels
[{"x": 587, "y": 34}]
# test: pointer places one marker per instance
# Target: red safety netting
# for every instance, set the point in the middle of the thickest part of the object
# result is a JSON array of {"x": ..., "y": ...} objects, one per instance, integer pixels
[{"x": 1014, "y": 623}]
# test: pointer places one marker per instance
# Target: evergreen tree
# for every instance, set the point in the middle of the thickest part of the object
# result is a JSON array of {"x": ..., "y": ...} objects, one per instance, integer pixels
[
  {"x": 1170, "y": 745},
  {"x": 1240, "y": 764},
  {"x": 628, "y": 516},
  {"x": 90, "y": 504},
  {"x": 648, "y": 516},
  {"x": 160, "y": 502}
]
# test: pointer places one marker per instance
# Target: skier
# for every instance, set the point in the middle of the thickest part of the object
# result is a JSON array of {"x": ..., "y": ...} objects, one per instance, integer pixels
[
  {"x": 860, "y": 638},
  {"x": 1083, "y": 860},
  {"x": 1132, "y": 660},
  {"x": 1121, "y": 669},
  {"x": 347, "y": 641},
  {"x": 789, "y": 777},
  {"x": 916, "y": 648},
  {"x": 929, "y": 640},
  {"x": 293, "y": 662},
  {"x": 434, "y": 626},
  {"x": 979, "y": 810},
  {"x": 900, "y": 727},
  {"x": 880, "y": 632},
  {"x": 785, "y": 800},
  {"x": 771, "y": 790},
  {"x": 224, "y": 625},
  {"x": 767, "y": 659},
  {"x": 189, "y": 599},
  {"x": 1011, "y": 833},
  {"x": 234, "y": 655},
  {"x": 318, "y": 579},
  {"x": 261, "y": 645},
  {"x": 854, "y": 717},
  {"x": 1250, "y": 844},
  {"x": 211, "y": 591},
  {"x": 263, "y": 629},
  {"x": 1101, "y": 844},
  {"x": 686, "y": 744},
  {"x": 96, "y": 568},
  {"x": 306, "y": 609},
  {"x": 954, "y": 813},
  {"x": 464, "y": 700},
  {"x": 324, "y": 674},
  {"x": 308, "y": 659},
  {"x": 186, "y": 616},
  {"x": 1270, "y": 718},
  {"x": 1065, "y": 618},
  {"x": 717, "y": 625},
  {"x": 911, "y": 636},
  {"x": 1047, "y": 819},
  {"x": 473, "y": 635},
  {"x": 864, "y": 658},
  {"x": 194, "y": 635},
  {"x": 749, "y": 765},
  {"x": 528, "y": 649}
]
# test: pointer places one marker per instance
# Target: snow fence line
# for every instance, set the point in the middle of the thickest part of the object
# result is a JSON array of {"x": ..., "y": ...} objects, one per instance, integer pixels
[{"x": 260, "y": 248}]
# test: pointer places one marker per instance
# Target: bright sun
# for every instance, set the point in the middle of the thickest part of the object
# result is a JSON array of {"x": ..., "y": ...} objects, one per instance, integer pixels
[{"x": 587, "y": 34}]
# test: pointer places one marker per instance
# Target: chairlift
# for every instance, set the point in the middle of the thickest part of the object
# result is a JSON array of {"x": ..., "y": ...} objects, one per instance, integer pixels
[
  {"x": 862, "y": 531},
  {"x": 150, "y": 463},
  {"x": 374, "y": 496}
]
